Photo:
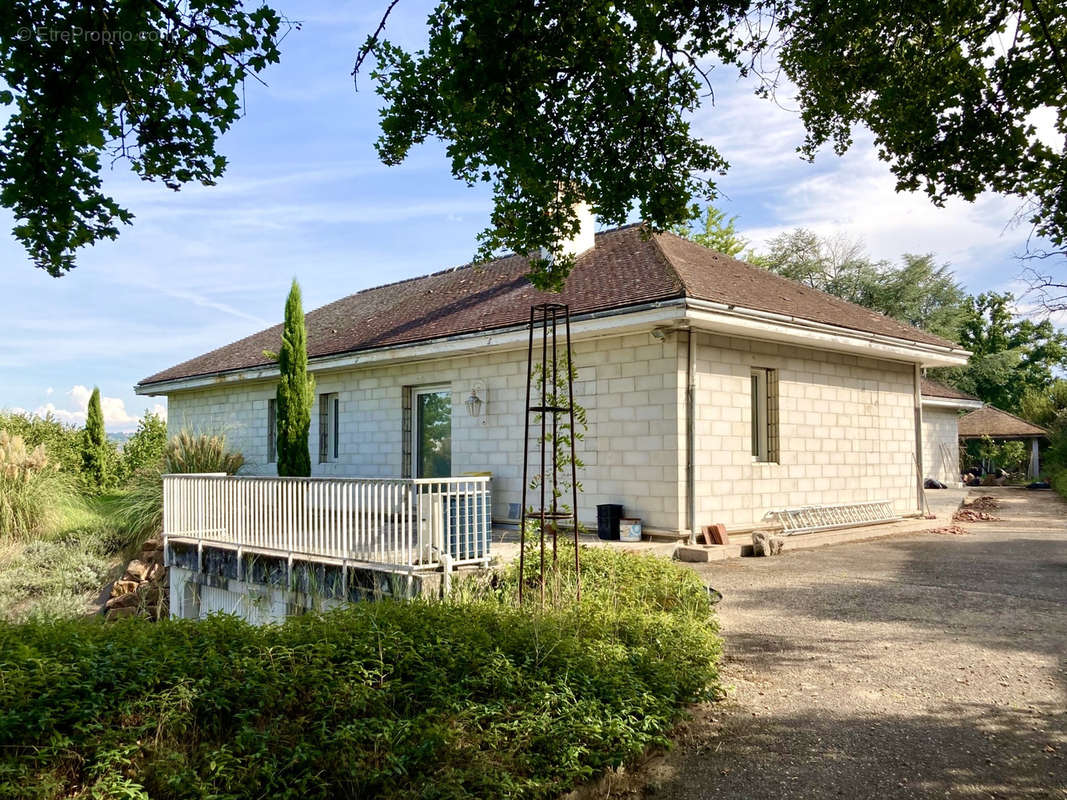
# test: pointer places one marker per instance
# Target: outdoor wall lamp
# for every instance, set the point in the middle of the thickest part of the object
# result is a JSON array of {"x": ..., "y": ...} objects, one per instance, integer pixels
[{"x": 475, "y": 404}]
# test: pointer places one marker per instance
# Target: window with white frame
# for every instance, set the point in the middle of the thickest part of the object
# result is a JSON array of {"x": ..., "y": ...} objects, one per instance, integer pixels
[
  {"x": 764, "y": 389},
  {"x": 272, "y": 431},
  {"x": 329, "y": 427}
]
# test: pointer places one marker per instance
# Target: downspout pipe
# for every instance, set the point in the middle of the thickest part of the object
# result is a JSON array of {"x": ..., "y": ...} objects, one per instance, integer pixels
[
  {"x": 919, "y": 466},
  {"x": 690, "y": 434}
]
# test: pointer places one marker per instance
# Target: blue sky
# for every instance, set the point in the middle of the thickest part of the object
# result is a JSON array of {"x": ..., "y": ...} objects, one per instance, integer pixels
[{"x": 305, "y": 196}]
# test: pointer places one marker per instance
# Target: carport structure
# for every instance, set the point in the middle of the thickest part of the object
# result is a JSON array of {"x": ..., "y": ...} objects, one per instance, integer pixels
[{"x": 1001, "y": 426}]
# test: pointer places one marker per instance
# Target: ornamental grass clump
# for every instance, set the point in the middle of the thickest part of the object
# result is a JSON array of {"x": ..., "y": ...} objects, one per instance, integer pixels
[
  {"x": 32, "y": 490},
  {"x": 140, "y": 511}
]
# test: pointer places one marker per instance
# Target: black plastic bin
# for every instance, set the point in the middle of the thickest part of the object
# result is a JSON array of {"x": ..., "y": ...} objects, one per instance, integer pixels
[{"x": 607, "y": 521}]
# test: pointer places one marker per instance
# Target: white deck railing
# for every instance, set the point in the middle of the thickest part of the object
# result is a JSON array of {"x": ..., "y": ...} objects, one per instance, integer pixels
[{"x": 401, "y": 521}]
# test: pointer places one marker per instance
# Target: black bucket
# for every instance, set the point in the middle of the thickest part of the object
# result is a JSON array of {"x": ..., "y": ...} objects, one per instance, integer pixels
[{"x": 607, "y": 521}]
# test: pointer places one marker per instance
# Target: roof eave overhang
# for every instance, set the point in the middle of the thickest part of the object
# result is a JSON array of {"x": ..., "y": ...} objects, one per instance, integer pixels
[
  {"x": 954, "y": 403},
  {"x": 704, "y": 315},
  {"x": 752, "y": 323},
  {"x": 611, "y": 322}
]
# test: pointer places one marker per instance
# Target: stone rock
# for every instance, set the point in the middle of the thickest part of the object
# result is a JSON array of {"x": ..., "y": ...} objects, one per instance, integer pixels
[
  {"x": 131, "y": 600},
  {"x": 119, "y": 588},
  {"x": 157, "y": 574},
  {"x": 122, "y": 612},
  {"x": 766, "y": 544},
  {"x": 137, "y": 570},
  {"x": 149, "y": 593}
]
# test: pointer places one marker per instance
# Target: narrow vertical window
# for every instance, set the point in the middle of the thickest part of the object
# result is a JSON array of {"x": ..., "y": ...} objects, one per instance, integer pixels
[
  {"x": 272, "y": 431},
  {"x": 336, "y": 409},
  {"x": 764, "y": 389},
  {"x": 329, "y": 427}
]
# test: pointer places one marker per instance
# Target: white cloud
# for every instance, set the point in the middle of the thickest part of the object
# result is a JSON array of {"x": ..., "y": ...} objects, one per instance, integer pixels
[
  {"x": 858, "y": 199},
  {"x": 116, "y": 417}
]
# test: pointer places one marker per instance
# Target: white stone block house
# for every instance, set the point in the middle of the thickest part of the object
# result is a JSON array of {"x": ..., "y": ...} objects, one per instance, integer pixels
[
  {"x": 716, "y": 391},
  {"x": 942, "y": 407}
]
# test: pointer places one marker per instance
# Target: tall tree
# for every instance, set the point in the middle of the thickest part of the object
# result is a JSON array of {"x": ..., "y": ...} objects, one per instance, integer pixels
[
  {"x": 714, "y": 231},
  {"x": 550, "y": 101},
  {"x": 296, "y": 391},
  {"x": 1044, "y": 406},
  {"x": 554, "y": 101},
  {"x": 919, "y": 292},
  {"x": 834, "y": 264},
  {"x": 916, "y": 291},
  {"x": 95, "y": 447},
  {"x": 151, "y": 83},
  {"x": 1011, "y": 353}
]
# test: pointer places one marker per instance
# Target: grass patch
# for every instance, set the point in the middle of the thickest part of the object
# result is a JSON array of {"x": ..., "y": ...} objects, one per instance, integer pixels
[
  {"x": 61, "y": 571},
  {"x": 470, "y": 698}
]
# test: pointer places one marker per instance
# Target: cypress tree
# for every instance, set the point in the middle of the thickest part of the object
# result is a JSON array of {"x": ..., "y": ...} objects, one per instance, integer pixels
[
  {"x": 296, "y": 391},
  {"x": 94, "y": 453}
]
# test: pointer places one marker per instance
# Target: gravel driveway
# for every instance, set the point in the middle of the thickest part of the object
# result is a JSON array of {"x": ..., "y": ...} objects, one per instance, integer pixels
[{"x": 918, "y": 666}]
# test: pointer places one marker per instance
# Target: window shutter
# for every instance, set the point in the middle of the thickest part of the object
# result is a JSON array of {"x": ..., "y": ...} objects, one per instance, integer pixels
[
  {"x": 405, "y": 459},
  {"x": 272, "y": 431},
  {"x": 324, "y": 428},
  {"x": 772, "y": 415}
]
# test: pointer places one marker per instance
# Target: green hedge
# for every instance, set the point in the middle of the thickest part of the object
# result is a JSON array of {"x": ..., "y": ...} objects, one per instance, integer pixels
[{"x": 476, "y": 698}]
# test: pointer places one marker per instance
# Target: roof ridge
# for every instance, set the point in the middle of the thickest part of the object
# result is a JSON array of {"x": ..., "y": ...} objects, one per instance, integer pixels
[{"x": 654, "y": 237}]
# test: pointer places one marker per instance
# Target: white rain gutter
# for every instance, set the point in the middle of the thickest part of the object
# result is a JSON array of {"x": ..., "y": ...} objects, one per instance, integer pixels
[
  {"x": 953, "y": 403},
  {"x": 752, "y": 323}
]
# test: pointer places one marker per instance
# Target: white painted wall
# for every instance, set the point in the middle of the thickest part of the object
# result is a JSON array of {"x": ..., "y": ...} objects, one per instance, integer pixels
[
  {"x": 626, "y": 383},
  {"x": 847, "y": 426},
  {"x": 847, "y": 431},
  {"x": 941, "y": 445}
]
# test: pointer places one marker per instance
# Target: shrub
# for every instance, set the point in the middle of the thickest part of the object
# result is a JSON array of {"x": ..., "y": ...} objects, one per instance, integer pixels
[
  {"x": 147, "y": 446},
  {"x": 140, "y": 510},
  {"x": 32, "y": 490},
  {"x": 476, "y": 698},
  {"x": 62, "y": 442}
]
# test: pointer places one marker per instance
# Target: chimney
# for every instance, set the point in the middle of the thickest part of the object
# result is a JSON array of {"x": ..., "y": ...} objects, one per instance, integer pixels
[{"x": 584, "y": 239}]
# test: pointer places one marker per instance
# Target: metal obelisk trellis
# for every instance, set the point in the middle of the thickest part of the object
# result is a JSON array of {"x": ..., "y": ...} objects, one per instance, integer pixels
[{"x": 543, "y": 413}]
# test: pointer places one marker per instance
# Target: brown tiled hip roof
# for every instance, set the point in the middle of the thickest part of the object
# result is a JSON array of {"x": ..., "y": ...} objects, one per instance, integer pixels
[
  {"x": 996, "y": 424},
  {"x": 932, "y": 388},
  {"x": 624, "y": 269}
]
